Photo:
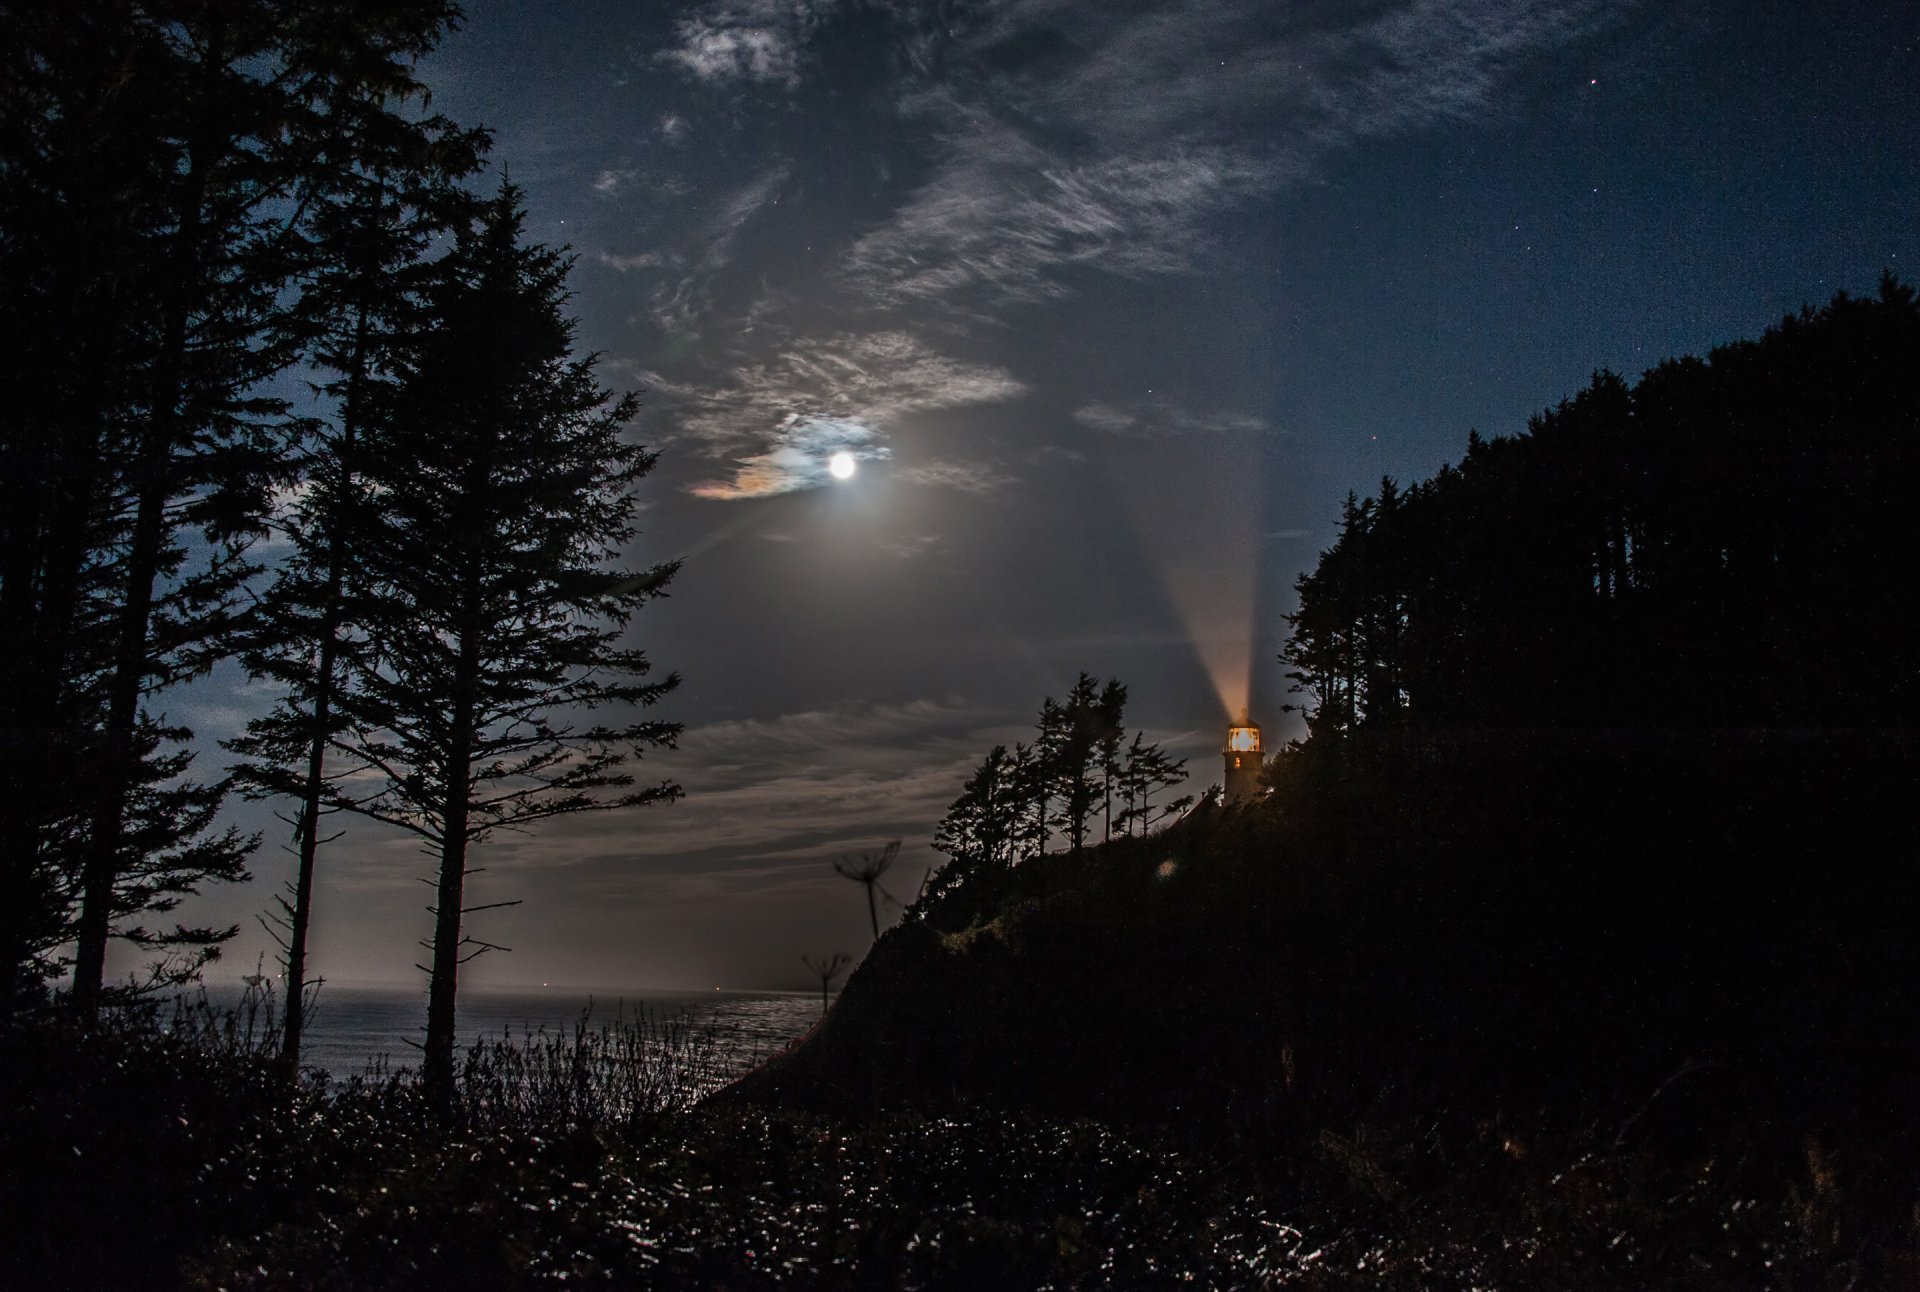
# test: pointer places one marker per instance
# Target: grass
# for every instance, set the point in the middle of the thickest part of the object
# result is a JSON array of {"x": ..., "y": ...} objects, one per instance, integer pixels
[{"x": 172, "y": 1154}]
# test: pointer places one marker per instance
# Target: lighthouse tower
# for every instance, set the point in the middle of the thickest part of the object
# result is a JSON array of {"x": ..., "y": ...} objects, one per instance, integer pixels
[{"x": 1243, "y": 761}]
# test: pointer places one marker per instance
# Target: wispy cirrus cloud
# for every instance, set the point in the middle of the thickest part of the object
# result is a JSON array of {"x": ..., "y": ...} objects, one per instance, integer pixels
[
  {"x": 746, "y": 40},
  {"x": 1161, "y": 418},
  {"x": 967, "y": 477},
  {"x": 812, "y": 401},
  {"x": 685, "y": 296},
  {"x": 639, "y": 260},
  {"x": 1007, "y": 221},
  {"x": 1098, "y": 138},
  {"x": 1063, "y": 141},
  {"x": 784, "y": 789}
]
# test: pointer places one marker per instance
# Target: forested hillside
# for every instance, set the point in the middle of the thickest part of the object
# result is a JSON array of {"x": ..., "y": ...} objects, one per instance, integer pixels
[
  {"x": 1730, "y": 541},
  {"x": 1597, "y": 862}
]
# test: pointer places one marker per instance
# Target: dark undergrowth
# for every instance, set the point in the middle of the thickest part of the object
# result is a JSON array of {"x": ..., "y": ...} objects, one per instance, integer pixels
[
  {"x": 1585, "y": 1015},
  {"x": 149, "y": 1157}
]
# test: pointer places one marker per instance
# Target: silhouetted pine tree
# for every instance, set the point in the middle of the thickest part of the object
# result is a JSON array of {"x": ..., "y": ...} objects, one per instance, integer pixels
[
  {"x": 1048, "y": 753},
  {"x": 1145, "y": 771},
  {"x": 1722, "y": 544},
  {"x": 1109, "y": 734},
  {"x": 1027, "y": 780},
  {"x": 980, "y": 830},
  {"x": 156, "y": 171},
  {"x": 1074, "y": 743},
  {"x": 505, "y": 489},
  {"x": 362, "y": 297}
]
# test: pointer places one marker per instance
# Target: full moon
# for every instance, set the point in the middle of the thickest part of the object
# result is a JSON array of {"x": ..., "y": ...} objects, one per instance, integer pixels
[{"x": 842, "y": 466}]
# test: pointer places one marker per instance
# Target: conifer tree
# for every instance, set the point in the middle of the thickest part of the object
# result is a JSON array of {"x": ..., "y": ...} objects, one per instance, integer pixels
[
  {"x": 1145, "y": 771},
  {"x": 156, "y": 170},
  {"x": 1625, "y": 561},
  {"x": 980, "y": 830},
  {"x": 1110, "y": 733},
  {"x": 505, "y": 489},
  {"x": 362, "y": 297},
  {"x": 1071, "y": 747},
  {"x": 1026, "y": 778},
  {"x": 1049, "y": 753}
]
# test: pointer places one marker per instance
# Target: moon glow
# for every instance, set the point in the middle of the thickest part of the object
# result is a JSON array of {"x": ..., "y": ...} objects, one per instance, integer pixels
[{"x": 842, "y": 466}]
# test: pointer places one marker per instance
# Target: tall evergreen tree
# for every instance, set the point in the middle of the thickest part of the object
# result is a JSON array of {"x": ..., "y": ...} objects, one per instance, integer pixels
[
  {"x": 1027, "y": 781},
  {"x": 1074, "y": 756},
  {"x": 1144, "y": 772},
  {"x": 1042, "y": 783},
  {"x": 1627, "y": 562},
  {"x": 1110, "y": 733},
  {"x": 156, "y": 166},
  {"x": 980, "y": 830},
  {"x": 362, "y": 297},
  {"x": 505, "y": 489}
]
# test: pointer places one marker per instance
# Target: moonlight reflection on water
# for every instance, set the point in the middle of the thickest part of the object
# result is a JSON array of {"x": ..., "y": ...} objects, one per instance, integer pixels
[{"x": 355, "y": 1027}]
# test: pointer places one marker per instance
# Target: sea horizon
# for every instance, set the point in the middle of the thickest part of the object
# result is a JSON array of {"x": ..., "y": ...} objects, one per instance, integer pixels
[{"x": 360, "y": 1027}]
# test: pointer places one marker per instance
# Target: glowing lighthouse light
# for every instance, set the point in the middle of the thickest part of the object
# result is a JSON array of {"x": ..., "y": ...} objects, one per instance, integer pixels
[{"x": 1243, "y": 761}]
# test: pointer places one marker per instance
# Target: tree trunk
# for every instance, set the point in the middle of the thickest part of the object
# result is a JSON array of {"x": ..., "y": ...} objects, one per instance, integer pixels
[
  {"x": 436, "y": 1070},
  {"x": 309, "y": 831},
  {"x": 108, "y": 826},
  {"x": 322, "y": 713},
  {"x": 151, "y": 472},
  {"x": 47, "y": 551}
]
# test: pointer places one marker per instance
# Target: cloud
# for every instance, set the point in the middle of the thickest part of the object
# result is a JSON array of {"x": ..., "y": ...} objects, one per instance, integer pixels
[
  {"x": 967, "y": 477},
  {"x": 776, "y": 741},
  {"x": 796, "y": 460},
  {"x": 1066, "y": 140},
  {"x": 775, "y": 795},
  {"x": 908, "y": 547},
  {"x": 1080, "y": 137},
  {"x": 1105, "y": 417},
  {"x": 809, "y": 402},
  {"x": 1005, "y": 220},
  {"x": 610, "y": 181},
  {"x": 746, "y": 40},
  {"x": 1161, "y": 418},
  {"x": 626, "y": 264},
  {"x": 678, "y": 304}
]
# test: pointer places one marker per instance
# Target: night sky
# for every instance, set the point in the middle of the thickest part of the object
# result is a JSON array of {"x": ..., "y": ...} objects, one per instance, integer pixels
[{"x": 1113, "y": 303}]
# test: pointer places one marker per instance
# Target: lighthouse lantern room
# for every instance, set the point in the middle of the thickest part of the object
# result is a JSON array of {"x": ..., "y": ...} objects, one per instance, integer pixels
[{"x": 1243, "y": 761}]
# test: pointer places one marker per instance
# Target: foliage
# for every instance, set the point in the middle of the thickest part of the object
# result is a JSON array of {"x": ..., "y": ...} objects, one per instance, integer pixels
[
  {"x": 492, "y": 611},
  {"x": 178, "y": 1158},
  {"x": 1714, "y": 545},
  {"x": 1077, "y": 767},
  {"x": 161, "y": 170},
  {"x": 364, "y": 289}
]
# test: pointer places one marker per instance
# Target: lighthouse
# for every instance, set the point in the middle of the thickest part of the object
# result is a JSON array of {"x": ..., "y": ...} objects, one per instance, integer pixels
[{"x": 1243, "y": 761}]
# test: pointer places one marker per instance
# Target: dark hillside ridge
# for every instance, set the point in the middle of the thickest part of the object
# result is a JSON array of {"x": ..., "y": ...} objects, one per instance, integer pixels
[
  {"x": 1614, "y": 742},
  {"x": 1730, "y": 542},
  {"x": 1472, "y": 926}
]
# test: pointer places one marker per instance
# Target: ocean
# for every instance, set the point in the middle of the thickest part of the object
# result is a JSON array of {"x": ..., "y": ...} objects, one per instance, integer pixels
[{"x": 354, "y": 1028}]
